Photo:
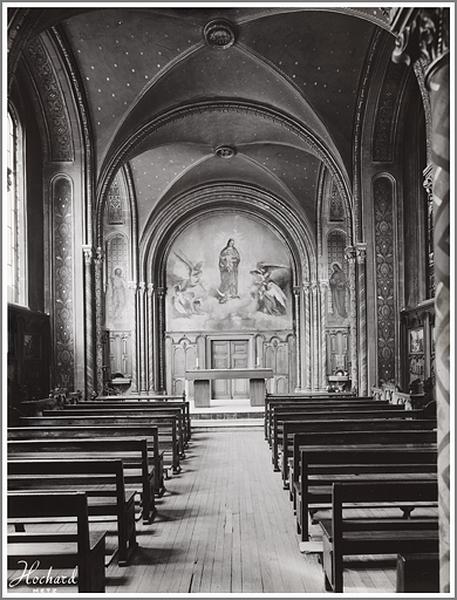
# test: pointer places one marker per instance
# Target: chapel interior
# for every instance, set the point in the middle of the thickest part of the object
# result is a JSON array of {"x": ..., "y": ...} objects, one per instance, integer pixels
[{"x": 229, "y": 220}]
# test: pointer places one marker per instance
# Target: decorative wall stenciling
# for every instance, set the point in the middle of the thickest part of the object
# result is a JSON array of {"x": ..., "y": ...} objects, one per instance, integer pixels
[
  {"x": 228, "y": 272},
  {"x": 61, "y": 142},
  {"x": 336, "y": 209},
  {"x": 384, "y": 129},
  {"x": 115, "y": 205},
  {"x": 63, "y": 326},
  {"x": 384, "y": 243}
]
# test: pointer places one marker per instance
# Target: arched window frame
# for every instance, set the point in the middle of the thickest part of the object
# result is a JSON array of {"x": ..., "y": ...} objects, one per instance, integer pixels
[{"x": 16, "y": 251}]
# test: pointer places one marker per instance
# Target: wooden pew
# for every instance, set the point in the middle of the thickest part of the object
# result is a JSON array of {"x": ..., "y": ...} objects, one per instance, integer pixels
[
  {"x": 102, "y": 480},
  {"x": 141, "y": 397},
  {"x": 279, "y": 418},
  {"x": 163, "y": 422},
  {"x": 85, "y": 549},
  {"x": 151, "y": 399},
  {"x": 286, "y": 413},
  {"x": 330, "y": 429},
  {"x": 113, "y": 409},
  {"x": 168, "y": 438},
  {"x": 311, "y": 405},
  {"x": 320, "y": 469},
  {"x": 343, "y": 536},
  {"x": 136, "y": 406},
  {"x": 353, "y": 440},
  {"x": 291, "y": 399},
  {"x": 418, "y": 573},
  {"x": 137, "y": 458}
]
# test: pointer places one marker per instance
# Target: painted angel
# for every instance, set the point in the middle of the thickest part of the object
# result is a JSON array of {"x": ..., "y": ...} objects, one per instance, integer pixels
[
  {"x": 190, "y": 273},
  {"x": 270, "y": 281},
  {"x": 186, "y": 279}
]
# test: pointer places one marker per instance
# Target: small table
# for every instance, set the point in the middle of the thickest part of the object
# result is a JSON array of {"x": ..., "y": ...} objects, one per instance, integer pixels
[{"x": 202, "y": 383}]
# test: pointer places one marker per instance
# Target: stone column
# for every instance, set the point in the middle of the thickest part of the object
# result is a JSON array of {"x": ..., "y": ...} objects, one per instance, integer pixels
[
  {"x": 155, "y": 338},
  {"x": 423, "y": 34},
  {"x": 150, "y": 337},
  {"x": 140, "y": 336},
  {"x": 315, "y": 336},
  {"x": 350, "y": 254},
  {"x": 299, "y": 335},
  {"x": 161, "y": 292},
  {"x": 137, "y": 338},
  {"x": 307, "y": 336},
  {"x": 99, "y": 319},
  {"x": 89, "y": 358},
  {"x": 135, "y": 367},
  {"x": 361, "y": 255},
  {"x": 323, "y": 301}
]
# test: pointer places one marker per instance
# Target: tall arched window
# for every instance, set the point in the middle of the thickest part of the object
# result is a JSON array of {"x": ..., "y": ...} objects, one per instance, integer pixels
[{"x": 16, "y": 224}]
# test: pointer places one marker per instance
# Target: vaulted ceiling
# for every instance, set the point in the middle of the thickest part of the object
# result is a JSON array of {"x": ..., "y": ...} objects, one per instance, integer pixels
[{"x": 165, "y": 91}]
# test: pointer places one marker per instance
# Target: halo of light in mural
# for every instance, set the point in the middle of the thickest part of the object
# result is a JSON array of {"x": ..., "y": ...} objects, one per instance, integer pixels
[
  {"x": 219, "y": 34},
  {"x": 225, "y": 152}
]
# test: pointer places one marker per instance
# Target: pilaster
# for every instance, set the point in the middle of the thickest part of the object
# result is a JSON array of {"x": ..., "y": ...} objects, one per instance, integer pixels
[
  {"x": 89, "y": 356},
  {"x": 307, "y": 335},
  {"x": 350, "y": 254},
  {"x": 361, "y": 255},
  {"x": 99, "y": 319}
]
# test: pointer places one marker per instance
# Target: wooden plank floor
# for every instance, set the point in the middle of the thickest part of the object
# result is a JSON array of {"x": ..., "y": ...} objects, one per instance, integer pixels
[{"x": 225, "y": 526}]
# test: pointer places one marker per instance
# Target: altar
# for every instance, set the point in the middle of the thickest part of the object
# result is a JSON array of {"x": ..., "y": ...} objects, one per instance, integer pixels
[{"x": 202, "y": 383}]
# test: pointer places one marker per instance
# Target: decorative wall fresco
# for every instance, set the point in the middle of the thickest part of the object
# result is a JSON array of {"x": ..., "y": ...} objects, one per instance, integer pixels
[
  {"x": 385, "y": 277},
  {"x": 338, "y": 301},
  {"x": 119, "y": 304},
  {"x": 63, "y": 289},
  {"x": 228, "y": 273}
]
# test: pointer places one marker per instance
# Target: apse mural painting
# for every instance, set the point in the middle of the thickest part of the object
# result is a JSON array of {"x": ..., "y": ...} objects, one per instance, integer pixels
[{"x": 228, "y": 273}]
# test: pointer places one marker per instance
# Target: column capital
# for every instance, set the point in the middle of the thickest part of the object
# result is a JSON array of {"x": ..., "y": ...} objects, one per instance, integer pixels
[
  {"x": 151, "y": 288},
  {"x": 361, "y": 252},
  {"x": 99, "y": 254},
  {"x": 422, "y": 34},
  {"x": 296, "y": 290},
  {"x": 88, "y": 253},
  {"x": 350, "y": 253},
  {"x": 141, "y": 286},
  {"x": 161, "y": 291}
]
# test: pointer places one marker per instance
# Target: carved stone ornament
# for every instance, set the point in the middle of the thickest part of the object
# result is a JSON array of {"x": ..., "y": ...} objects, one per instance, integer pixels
[
  {"x": 219, "y": 34},
  {"x": 225, "y": 152},
  {"x": 422, "y": 33},
  {"x": 361, "y": 253}
]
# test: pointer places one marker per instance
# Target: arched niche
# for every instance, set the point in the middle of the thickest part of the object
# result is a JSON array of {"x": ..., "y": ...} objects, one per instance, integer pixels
[
  {"x": 228, "y": 277},
  {"x": 117, "y": 236},
  {"x": 157, "y": 294}
]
